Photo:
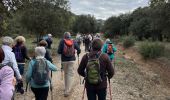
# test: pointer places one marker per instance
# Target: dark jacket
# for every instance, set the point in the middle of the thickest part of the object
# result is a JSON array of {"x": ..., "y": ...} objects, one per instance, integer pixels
[
  {"x": 105, "y": 65},
  {"x": 60, "y": 51},
  {"x": 24, "y": 52},
  {"x": 48, "y": 56}
]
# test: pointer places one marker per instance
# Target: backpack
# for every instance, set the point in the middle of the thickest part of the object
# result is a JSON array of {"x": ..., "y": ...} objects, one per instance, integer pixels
[
  {"x": 93, "y": 73},
  {"x": 110, "y": 48},
  {"x": 40, "y": 73},
  {"x": 2, "y": 55},
  {"x": 18, "y": 53},
  {"x": 68, "y": 49}
]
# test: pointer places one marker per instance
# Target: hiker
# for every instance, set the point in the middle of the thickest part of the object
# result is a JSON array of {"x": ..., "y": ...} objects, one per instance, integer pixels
[
  {"x": 87, "y": 43},
  {"x": 7, "y": 44},
  {"x": 109, "y": 49},
  {"x": 7, "y": 80},
  {"x": 47, "y": 54},
  {"x": 95, "y": 67},
  {"x": 38, "y": 74},
  {"x": 49, "y": 41},
  {"x": 78, "y": 39},
  {"x": 67, "y": 48}
]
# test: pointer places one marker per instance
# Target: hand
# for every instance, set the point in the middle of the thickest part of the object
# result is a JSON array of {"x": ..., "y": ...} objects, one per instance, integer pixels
[{"x": 14, "y": 81}]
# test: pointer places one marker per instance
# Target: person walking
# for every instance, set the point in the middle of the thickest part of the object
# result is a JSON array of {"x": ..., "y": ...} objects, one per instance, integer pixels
[
  {"x": 7, "y": 44},
  {"x": 38, "y": 74},
  {"x": 95, "y": 67},
  {"x": 7, "y": 80},
  {"x": 49, "y": 41},
  {"x": 109, "y": 49},
  {"x": 47, "y": 54},
  {"x": 67, "y": 48}
]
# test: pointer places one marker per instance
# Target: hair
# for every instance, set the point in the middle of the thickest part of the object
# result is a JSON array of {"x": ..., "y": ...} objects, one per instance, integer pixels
[
  {"x": 7, "y": 41},
  {"x": 97, "y": 44},
  {"x": 67, "y": 35},
  {"x": 43, "y": 43},
  {"x": 20, "y": 39},
  {"x": 2, "y": 55},
  {"x": 40, "y": 51},
  {"x": 107, "y": 40}
]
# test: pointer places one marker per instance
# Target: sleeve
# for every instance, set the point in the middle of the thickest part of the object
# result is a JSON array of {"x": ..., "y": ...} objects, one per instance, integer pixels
[
  {"x": 48, "y": 56},
  {"x": 15, "y": 66},
  {"x": 26, "y": 53},
  {"x": 109, "y": 67},
  {"x": 82, "y": 66},
  {"x": 60, "y": 49},
  {"x": 29, "y": 71},
  {"x": 104, "y": 48},
  {"x": 114, "y": 48},
  {"x": 77, "y": 47},
  {"x": 51, "y": 66}
]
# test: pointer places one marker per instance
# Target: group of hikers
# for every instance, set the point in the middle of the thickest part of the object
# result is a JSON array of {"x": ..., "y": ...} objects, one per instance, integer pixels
[{"x": 95, "y": 66}]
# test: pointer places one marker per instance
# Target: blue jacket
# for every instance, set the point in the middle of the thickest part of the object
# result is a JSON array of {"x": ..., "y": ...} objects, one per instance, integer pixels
[
  {"x": 104, "y": 50},
  {"x": 63, "y": 57},
  {"x": 30, "y": 70}
]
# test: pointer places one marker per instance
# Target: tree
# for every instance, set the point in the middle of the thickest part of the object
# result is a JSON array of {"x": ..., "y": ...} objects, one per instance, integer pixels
[{"x": 85, "y": 24}]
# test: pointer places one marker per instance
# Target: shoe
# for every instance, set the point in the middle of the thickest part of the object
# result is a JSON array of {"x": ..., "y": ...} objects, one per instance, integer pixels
[
  {"x": 66, "y": 95},
  {"x": 21, "y": 91}
]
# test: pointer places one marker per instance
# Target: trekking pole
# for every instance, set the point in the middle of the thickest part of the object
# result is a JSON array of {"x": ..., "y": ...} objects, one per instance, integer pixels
[
  {"x": 110, "y": 89},
  {"x": 78, "y": 65},
  {"x": 51, "y": 87},
  {"x": 83, "y": 90},
  {"x": 26, "y": 91}
]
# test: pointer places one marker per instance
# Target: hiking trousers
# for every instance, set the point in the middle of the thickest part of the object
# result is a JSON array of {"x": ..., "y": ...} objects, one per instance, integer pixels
[
  {"x": 68, "y": 75},
  {"x": 40, "y": 93},
  {"x": 93, "y": 94}
]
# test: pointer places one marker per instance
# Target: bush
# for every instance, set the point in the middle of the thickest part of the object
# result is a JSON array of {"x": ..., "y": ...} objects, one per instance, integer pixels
[
  {"x": 151, "y": 49},
  {"x": 128, "y": 41}
]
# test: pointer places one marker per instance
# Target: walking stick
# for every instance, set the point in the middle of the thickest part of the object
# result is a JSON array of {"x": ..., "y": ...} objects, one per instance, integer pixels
[
  {"x": 83, "y": 92},
  {"x": 78, "y": 65},
  {"x": 51, "y": 87},
  {"x": 26, "y": 91},
  {"x": 110, "y": 91}
]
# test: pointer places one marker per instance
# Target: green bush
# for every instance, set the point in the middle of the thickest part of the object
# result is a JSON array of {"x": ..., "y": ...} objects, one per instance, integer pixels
[
  {"x": 151, "y": 49},
  {"x": 128, "y": 41}
]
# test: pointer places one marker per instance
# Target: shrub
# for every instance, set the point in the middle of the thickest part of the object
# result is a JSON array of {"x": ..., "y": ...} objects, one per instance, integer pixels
[
  {"x": 151, "y": 49},
  {"x": 128, "y": 41}
]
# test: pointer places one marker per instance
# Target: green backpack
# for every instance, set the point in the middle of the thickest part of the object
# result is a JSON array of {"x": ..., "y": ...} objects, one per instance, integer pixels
[{"x": 93, "y": 73}]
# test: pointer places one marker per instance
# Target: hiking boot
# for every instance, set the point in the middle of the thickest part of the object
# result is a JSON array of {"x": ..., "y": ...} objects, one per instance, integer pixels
[
  {"x": 21, "y": 91},
  {"x": 66, "y": 95}
]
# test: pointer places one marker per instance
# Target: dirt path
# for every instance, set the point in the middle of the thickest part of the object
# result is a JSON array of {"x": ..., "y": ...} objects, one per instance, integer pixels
[{"x": 134, "y": 80}]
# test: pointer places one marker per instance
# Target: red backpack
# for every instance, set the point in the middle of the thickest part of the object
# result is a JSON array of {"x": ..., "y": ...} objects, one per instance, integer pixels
[
  {"x": 110, "y": 49},
  {"x": 68, "y": 49}
]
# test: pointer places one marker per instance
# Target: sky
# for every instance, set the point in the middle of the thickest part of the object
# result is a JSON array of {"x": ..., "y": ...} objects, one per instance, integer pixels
[{"x": 103, "y": 9}]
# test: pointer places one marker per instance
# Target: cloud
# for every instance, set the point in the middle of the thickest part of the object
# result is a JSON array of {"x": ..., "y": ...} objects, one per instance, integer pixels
[{"x": 102, "y": 9}]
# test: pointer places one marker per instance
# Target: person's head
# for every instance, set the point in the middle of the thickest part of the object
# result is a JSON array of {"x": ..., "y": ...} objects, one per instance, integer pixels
[
  {"x": 97, "y": 44},
  {"x": 40, "y": 51},
  {"x": 7, "y": 41},
  {"x": 43, "y": 43},
  {"x": 67, "y": 35},
  {"x": 107, "y": 41},
  {"x": 49, "y": 35},
  {"x": 20, "y": 40}
]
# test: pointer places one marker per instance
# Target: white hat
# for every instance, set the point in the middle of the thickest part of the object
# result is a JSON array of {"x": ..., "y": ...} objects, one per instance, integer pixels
[{"x": 49, "y": 35}]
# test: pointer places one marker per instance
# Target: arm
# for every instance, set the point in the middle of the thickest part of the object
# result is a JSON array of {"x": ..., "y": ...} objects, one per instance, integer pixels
[
  {"x": 109, "y": 67},
  {"x": 82, "y": 66},
  {"x": 48, "y": 56},
  {"x": 29, "y": 71},
  {"x": 51, "y": 66},
  {"x": 26, "y": 53},
  {"x": 15, "y": 66},
  {"x": 114, "y": 48},
  {"x": 60, "y": 47}
]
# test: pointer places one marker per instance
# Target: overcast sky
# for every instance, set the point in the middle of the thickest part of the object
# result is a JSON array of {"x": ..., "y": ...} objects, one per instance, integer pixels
[{"x": 102, "y": 9}]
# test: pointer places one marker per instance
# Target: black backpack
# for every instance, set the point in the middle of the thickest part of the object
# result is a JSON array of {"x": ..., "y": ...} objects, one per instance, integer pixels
[
  {"x": 93, "y": 72},
  {"x": 40, "y": 73}
]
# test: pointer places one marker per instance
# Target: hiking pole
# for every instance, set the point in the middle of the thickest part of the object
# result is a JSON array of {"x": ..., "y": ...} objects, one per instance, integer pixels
[
  {"x": 83, "y": 90},
  {"x": 110, "y": 89},
  {"x": 26, "y": 91},
  {"x": 51, "y": 87},
  {"x": 78, "y": 65}
]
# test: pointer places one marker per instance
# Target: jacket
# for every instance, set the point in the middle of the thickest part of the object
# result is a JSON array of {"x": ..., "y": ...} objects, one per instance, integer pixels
[
  {"x": 63, "y": 57},
  {"x": 105, "y": 68},
  {"x": 104, "y": 50},
  {"x": 30, "y": 70},
  {"x": 6, "y": 86}
]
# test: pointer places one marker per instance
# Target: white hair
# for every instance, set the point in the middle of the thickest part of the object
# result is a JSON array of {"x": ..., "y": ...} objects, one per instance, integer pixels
[
  {"x": 40, "y": 51},
  {"x": 7, "y": 41}
]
